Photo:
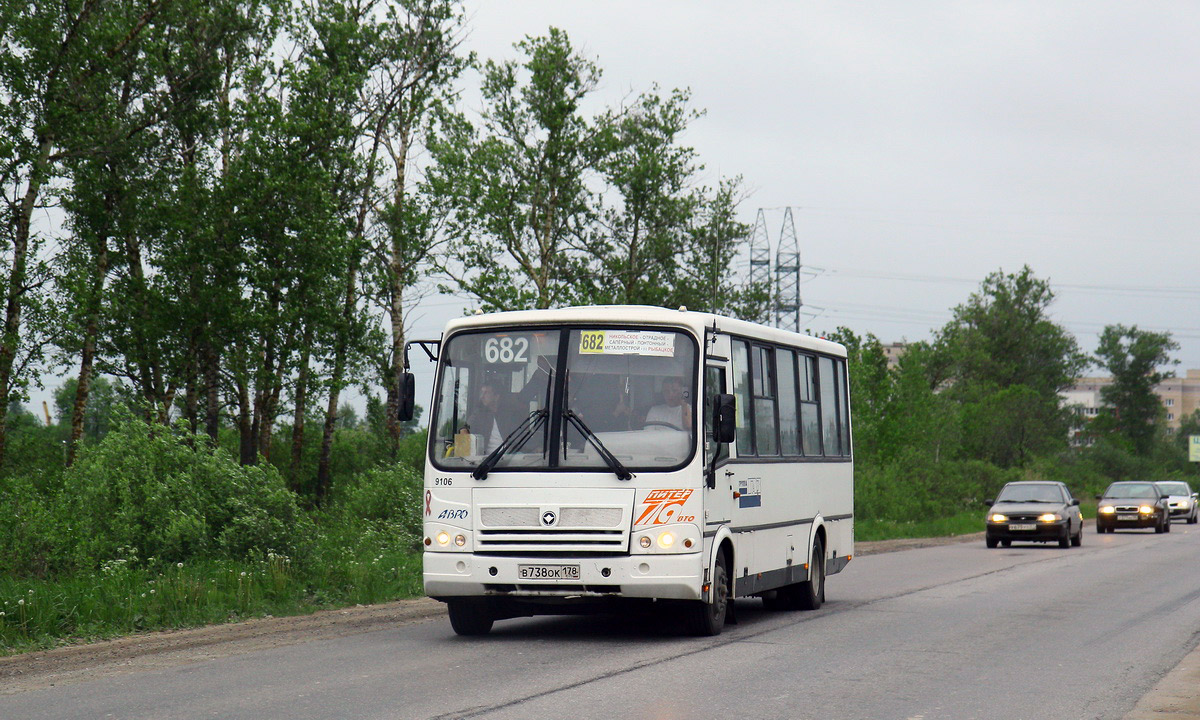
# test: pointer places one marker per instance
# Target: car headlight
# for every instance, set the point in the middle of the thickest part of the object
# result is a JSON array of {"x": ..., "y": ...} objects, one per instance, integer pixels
[
  {"x": 997, "y": 517},
  {"x": 1108, "y": 509},
  {"x": 1146, "y": 509},
  {"x": 1050, "y": 517}
]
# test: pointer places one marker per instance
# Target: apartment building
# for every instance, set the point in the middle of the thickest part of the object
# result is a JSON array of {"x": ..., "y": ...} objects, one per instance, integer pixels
[{"x": 1180, "y": 396}]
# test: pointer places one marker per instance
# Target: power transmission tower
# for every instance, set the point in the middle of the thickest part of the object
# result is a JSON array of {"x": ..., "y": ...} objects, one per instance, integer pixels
[
  {"x": 787, "y": 276},
  {"x": 760, "y": 256}
]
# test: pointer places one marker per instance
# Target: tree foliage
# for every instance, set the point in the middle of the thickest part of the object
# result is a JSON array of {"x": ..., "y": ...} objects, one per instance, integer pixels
[
  {"x": 1006, "y": 361},
  {"x": 1135, "y": 358},
  {"x": 551, "y": 205}
]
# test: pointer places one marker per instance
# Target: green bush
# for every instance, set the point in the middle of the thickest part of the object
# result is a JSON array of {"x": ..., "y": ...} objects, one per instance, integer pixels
[
  {"x": 385, "y": 497},
  {"x": 411, "y": 453},
  {"x": 32, "y": 537},
  {"x": 173, "y": 497},
  {"x": 915, "y": 488}
]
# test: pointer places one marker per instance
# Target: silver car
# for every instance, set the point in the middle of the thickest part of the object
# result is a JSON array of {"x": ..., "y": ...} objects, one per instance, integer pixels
[{"x": 1182, "y": 500}]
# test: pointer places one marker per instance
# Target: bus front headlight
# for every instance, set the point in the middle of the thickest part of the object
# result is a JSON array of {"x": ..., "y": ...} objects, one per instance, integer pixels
[
  {"x": 676, "y": 538},
  {"x": 440, "y": 538}
]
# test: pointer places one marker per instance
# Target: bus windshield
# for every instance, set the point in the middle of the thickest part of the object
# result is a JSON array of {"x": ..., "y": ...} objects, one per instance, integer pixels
[{"x": 626, "y": 393}]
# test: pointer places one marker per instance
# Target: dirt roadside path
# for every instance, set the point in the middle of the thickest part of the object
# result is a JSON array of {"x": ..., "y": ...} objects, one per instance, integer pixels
[{"x": 1177, "y": 695}]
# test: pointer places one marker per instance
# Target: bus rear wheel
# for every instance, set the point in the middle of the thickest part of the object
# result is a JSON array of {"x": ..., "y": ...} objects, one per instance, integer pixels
[
  {"x": 469, "y": 616},
  {"x": 708, "y": 618}
]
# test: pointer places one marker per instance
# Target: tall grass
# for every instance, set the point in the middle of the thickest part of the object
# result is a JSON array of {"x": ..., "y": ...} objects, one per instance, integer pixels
[
  {"x": 154, "y": 528},
  {"x": 960, "y": 523},
  {"x": 122, "y": 598}
]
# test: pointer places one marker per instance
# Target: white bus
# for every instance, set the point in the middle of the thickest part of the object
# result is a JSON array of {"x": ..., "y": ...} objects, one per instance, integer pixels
[{"x": 570, "y": 466}]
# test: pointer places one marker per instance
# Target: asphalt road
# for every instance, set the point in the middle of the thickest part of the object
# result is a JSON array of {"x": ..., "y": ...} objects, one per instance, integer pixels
[{"x": 954, "y": 632}]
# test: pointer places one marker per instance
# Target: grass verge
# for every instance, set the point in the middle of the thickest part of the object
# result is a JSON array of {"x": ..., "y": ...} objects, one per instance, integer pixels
[
  {"x": 126, "y": 596},
  {"x": 962, "y": 523},
  {"x": 121, "y": 599}
]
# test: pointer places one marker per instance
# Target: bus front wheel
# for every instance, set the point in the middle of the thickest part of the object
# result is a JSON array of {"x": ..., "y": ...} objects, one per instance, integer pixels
[
  {"x": 708, "y": 618},
  {"x": 811, "y": 593},
  {"x": 469, "y": 616}
]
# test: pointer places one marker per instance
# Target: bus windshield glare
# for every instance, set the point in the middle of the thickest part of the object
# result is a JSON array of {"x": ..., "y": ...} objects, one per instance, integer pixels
[{"x": 631, "y": 389}]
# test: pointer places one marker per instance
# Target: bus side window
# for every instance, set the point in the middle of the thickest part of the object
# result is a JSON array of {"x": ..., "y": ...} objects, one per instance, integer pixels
[
  {"x": 741, "y": 390},
  {"x": 809, "y": 421},
  {"x": 843, "y": 408},
  {"x": 827, "y": 383},
  {"x": 789, "y": 420},
  {"x": 765, "y": 438}
]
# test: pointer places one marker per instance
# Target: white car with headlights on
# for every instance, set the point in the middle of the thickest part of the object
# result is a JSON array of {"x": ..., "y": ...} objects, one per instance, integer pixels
[{"x": 1180, "y": 499}]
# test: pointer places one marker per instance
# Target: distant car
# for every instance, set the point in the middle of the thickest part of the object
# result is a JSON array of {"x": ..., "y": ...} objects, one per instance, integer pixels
[
  {"x": 1180, "y": 499},
  {"x": 1034, "y": 512},
  {"x": 1129, "y": 504}
]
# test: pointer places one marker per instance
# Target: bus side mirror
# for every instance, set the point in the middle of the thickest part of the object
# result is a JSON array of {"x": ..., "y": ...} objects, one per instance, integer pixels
[
  {"x": 725, "y": 420},
  {"x": 405, "y": 402}
]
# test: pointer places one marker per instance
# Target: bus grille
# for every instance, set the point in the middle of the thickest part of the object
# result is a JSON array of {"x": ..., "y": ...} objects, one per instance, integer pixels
[{"x": 577, "y": 529}]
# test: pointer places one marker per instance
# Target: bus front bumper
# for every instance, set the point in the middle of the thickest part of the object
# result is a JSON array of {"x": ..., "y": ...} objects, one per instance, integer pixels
[{"x": 674, "y": 577}]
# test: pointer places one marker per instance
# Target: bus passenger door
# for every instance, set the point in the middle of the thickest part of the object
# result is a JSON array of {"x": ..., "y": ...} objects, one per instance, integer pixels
[{"x": 718, "y": 500}]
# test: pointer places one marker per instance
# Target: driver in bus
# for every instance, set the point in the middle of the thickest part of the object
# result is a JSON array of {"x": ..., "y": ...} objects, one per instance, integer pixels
[
  {"x": 491, "y": 418},
  {"x": 674, "y": 411}
]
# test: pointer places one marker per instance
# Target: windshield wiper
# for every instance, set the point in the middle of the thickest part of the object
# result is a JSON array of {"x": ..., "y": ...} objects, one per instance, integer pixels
[
  {"x": 604, "y": 452},
  {"x": 512, "y": 442}
]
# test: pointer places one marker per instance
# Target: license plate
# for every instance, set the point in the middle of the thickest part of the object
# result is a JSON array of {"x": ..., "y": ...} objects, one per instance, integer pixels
[
  {"x": 1022, "y": 526},
  {"x": 1127, "y": 517},
  {"x": 548, "y": 572}
]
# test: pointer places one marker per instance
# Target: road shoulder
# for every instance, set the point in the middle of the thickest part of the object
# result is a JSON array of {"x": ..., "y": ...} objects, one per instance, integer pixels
[
  {"x": 169, "y": 648},
  {"x": 1176, "y": 695}
]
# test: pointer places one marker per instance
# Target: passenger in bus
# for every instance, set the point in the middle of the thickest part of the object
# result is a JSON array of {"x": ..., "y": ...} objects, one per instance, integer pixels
[{"x": 674, "y": 411}]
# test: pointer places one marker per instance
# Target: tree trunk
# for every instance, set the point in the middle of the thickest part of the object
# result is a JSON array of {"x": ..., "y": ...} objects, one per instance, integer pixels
[
  {"x": 301, "y": 402},
  {"x": 335, "y": 385},
  {"x": 248, "y": 454},
  {"x": 15, "y": 295},
  {"x": 191, "y": 404},
  {"x": 88, "y": 352},
  {"x": 398, "y": 269},
  {"x": 339, "y": 369},
  {"x": 212, "y": 405},
  {"x": 323, "y": 463}
]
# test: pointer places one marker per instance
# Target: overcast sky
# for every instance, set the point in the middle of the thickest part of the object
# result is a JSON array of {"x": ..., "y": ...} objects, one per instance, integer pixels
[{"x": 926, "y": 144}]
